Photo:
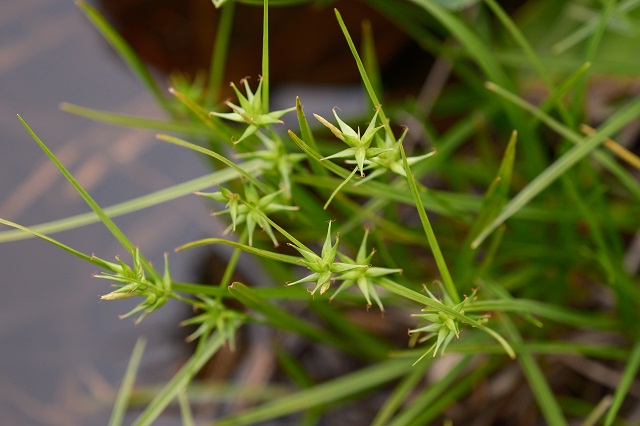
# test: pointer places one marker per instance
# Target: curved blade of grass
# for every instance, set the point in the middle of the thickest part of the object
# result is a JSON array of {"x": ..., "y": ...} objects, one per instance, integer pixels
[
  {"x": 625, "y": 178},
  {"x": 430, "y": 395},
  {"x": 589, "y": 27},
  {"x": 34, "y": 233},
  {"x": 540, "y": 387},
  {"x": 209, "y": 120},
  {"x": 365, "y": 78},
  {"x": 133, "y": 121},
  {"x": 401, "y": 393},
  {"x": 125, "y": 52},
  {"x": 579, "y": 99},
  {"x": 623, "y": 153},
  {"x": 334, "y": 391},
  {"x": 124, "y": 394},
  {"x": 124, "y": 241},
  {"x": 370, "y": 60},
  {"x": 186, "y": 414},
  {"x": 497, "y": 194},
  {"x": 544, "y": 310},
  {"x": 424, "y": 300},
  {"x": 628, "y": 376},
  {"x": 220, "y": 50},
  {"x": 247, "y": 175},
  {"x": 265, "y": 57},
  {"x": 305, "y": 130},
  {"x": 536, "y": 348},
  {"x": 561, "y": 165},
  {"x": 311, "y": 152},
  {"x": 148, "y": 200},
  {"x": 598, "y": 411},
  {"x": 488, "y": 62},
  {"x": 180, "y": 380},
  {"x": 249, "y": 249},
  {"x": 428, "y": 230}
]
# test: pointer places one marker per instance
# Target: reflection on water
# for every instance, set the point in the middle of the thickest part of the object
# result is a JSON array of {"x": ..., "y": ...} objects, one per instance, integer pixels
[{"x": 62, "y": 351}]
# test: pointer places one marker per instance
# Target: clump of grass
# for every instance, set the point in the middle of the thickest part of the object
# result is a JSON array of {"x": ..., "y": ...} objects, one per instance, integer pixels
[{"x": 497, "y": 236}]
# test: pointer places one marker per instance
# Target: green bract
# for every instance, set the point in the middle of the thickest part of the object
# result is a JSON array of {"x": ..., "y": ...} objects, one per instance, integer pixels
[
  {"x": 213, "y": 315},
  {"x": 276, "y": 158},
  {"x": 359, "y": 146},
  {"x": 133, "y": 282},
  {"x": 252, "y": 210},
  {"x": 324, "y": 266},
  {"x": 364, "y": 277},
  {"x": 251, "y": 110},
  {"x": 389, "y": 159},
  {"x": 443, "y": 325}
]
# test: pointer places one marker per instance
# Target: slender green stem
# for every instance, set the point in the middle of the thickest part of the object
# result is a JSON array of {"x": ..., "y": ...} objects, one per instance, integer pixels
[
  {"x": 220, "y": 50},
  {"x": 265, "y": 58}
]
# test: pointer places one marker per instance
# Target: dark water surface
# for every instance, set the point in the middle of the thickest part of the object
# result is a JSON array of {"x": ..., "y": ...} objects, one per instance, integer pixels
[{"x": 62, "y": 351}]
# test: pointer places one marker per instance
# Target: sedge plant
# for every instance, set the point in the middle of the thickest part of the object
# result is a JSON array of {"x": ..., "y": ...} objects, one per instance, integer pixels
[{"x": 499, "y": 235}]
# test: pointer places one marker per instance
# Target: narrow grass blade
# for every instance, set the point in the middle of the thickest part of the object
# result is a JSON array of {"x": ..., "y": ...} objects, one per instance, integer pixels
[
  {"x": 83, "y": 193},
  {"x": 625, "y": 178},
  {"x": 561, "y": 165},
  {"x": 497, "y": 194},
  {"x": 365, "y": 78},
  {"x": 220, "y": 50},
  {"x": 124, "y": 394},
  {"x": 339, "y": 187},
  {"x": 29, "y": 231},
  {"x": 540, "y": 387},
  {"x": 239, "y": 170},
  {"x": 180, "y": 380},
  {"x": 430, "y": 394},
  {"x": 370, "y": 60},
  {"x": 253, "y": 166},
  {"x": 428, "y": 230},
  {"x": 312, "y": 153},
  {"x": 305, "y": 130},
  {"x": 401, "y": 393},
  {"x": 623, "y": 153},
  {"x": 545, "y": 310},
  {"x": 138, "y": 122},
  {"x": 249, "y": 249},
  {"x": 598, "y": 411},
  {"x": 456, "y": 392},
  {"x": 125, "y": 52},
  {"x": 335, "y": 391},
  {"x": 628, "y": 376},
  {"x": 210, "y": 121},
  {"x": 589, "y": 27},
  {"x": 265, "y": 57},
  {"x": 186, "y": 414},
  {"x": 488, "y": 61}
]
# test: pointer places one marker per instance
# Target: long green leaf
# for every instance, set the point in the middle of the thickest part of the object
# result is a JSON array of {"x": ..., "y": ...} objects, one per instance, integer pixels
[
  {"x": 180, "y": 380},
  {"x": 541, "y": 389},
  {"x": 334, "y": 391},
  {"x": 124, "y": 120},
  {"x": 628, "y": 376},
  {"x": 561, "y": 165},
  {"x": 239, "y": 170},
  {"x": 428, "y": 230},
  {"x": 124, "y": 394},
  {"x": 253, "y": 166},
  {"x": 83, "y": 193}
]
